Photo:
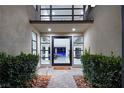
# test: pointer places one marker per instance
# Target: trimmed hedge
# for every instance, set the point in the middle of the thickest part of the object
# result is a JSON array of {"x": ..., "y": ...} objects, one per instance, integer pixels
[
  {"x": 15, "y": 71},
  {"x": 102, "y": 71}
]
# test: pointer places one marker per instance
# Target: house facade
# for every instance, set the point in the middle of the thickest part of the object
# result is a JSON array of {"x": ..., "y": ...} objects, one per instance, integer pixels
[{"x": 59, "y": 34}]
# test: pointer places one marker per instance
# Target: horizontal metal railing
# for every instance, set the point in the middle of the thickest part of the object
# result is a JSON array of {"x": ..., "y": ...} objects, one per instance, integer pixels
[{"x": 65, "y": 17}]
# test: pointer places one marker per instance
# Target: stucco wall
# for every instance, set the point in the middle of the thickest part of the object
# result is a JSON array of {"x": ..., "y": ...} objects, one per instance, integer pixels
[
  {"x": 32, "y": 13},
  {"x": 104, "y": 35},
  {"x": 15, "y": 30}
]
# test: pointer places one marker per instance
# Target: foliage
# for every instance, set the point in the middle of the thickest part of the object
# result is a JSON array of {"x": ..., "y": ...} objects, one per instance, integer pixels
[
  {"x": 102, "y": 71},
  {"x": 15, "y": 71}
]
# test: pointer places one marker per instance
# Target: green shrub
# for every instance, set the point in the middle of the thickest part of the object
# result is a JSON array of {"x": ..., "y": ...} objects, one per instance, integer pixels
[
  {"x": 102, "y": 71},
  {"x": 15, "y": 71}
]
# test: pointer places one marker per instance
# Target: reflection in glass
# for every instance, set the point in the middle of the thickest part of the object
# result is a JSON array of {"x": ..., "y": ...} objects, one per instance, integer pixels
[
  {"x": 78, "y": 40},
  {"x": 45, "y": 6},
  {"x": 86, "y": 8},
  {"x": 61, "y": 6},
  {"x": 78, "y": 12},
  {"x": 62, "y": 12},
  {"x": 34, "y": 36},
  {"x": 78, "y": 49},
  {"x": 78, "y": 17},
  {"x": 45, "y": 12},
  {"x": 45, "y": 39},
  {"x": 47, "y": 18},
  {"x": 62, "y": 18},
  {"x": 61, "y": 51},
  {"x": 34, "y": 43},
  {"x": 34, "y": 52},
  {"x": 78, "y": 6},
  {"x": 78, "y": 53},
  {"x": 45, "y": 50}
]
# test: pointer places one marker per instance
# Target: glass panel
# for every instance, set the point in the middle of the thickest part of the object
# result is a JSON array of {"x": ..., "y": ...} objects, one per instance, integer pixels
[
  {"x": 78, "y": 17},
  {"x": 45, "y": 6},
  {"x": 34, "y": 36},
  {"x": 77, "y": 61},
  {"x": 45, "y": 61},
  {"x": 62, "y": 12},
  {"x": 86, "y": 8},
  {"x": 62, "y": 18},
  {"x": 61, "y": 6},
  {"x": 78, "y": 6},
  {"x": 45, "y": 39},
  {"x": 45, "y": 12},
  {"x": 61, "y": 51},
  {"x": 78, "y": 40},
  {"x": 45, "y": 50},
  {"x": 45, "y": 54},
  {"x": 78, "y": 49},
  {"x": 34, "y": 42},
  {"x": 34, "y": 45},
  {"x": 78, "y": 12},
  {"x": 45, "y": 18},
  {"x": 34, "y": 52}
]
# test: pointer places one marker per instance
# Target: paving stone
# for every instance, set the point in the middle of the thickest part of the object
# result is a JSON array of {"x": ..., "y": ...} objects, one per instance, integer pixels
[{"x": 61, "y": 78}]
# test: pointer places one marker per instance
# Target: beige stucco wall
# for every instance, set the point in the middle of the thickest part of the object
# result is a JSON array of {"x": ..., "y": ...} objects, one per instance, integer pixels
[
  {"x": 104, "y": 35},
  {"x": 32, "y": 13},
  {"x": 15, "y": 29}
]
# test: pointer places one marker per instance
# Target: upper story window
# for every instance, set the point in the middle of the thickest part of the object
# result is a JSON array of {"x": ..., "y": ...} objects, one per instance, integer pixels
[{"x": 63, "y": 12}]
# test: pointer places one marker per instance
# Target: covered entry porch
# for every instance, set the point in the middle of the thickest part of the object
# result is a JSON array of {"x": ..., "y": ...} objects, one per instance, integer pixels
[{"x": 61, "y": 43}]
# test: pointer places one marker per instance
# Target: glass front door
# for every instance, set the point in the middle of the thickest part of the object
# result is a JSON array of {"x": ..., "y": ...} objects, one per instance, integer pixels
[{"x": 61, "y": 50}]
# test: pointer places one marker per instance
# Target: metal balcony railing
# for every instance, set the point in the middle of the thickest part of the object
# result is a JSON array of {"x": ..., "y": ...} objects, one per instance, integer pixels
[{"x": 65, "y": 12}]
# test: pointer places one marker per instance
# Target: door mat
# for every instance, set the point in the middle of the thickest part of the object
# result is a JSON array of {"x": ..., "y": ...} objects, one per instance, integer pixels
[{"x": 61, "y": 68}]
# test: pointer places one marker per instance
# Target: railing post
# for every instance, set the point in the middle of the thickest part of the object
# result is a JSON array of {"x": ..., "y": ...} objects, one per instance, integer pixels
[
  {"x": 72, "y": 12},
  {"x": 50, "y": 12}
]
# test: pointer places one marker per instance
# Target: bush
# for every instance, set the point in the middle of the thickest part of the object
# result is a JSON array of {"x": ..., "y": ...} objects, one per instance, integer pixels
[
  {"x": 102, "y": 71},
  {"x": 16, "y": 71}
]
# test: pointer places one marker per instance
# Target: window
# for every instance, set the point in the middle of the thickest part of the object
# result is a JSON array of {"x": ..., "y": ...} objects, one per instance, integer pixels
[
  {"x": 34, "y": 43},
  {"x": 45, "y": 12},
  {"x": 63, "y": 12},
  {"x": 61, "y": 6},
  {"x": 78, "y": 47},
  {"x": 78, "y": 6},
  {"x": 45, "y": 50}
]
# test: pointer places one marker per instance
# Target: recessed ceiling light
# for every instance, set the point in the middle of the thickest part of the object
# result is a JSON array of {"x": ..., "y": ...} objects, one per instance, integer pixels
[
  {"x": 49, "y": 29},
  {"x": 73, "y": 29}
]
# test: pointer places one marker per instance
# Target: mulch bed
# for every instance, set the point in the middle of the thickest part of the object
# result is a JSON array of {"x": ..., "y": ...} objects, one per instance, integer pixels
[
  {"x": 81, "y": 82},
  {"x": 39, "y": 81}
]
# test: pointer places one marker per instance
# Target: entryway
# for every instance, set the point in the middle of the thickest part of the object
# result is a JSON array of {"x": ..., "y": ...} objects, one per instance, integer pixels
[{"x": 61, "y": 50}]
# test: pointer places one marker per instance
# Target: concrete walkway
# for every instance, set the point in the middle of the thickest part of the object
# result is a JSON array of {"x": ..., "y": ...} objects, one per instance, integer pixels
[{"x": 61, "y": 78}]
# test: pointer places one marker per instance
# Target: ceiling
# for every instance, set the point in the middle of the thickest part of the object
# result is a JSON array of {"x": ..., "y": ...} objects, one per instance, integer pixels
[{"x": 63, "y": 27}]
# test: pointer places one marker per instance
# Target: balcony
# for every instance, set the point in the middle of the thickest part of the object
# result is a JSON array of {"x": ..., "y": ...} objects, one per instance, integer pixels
[
  {"x": 62, "y": 18},
  {"x": 65, "y": 13}
]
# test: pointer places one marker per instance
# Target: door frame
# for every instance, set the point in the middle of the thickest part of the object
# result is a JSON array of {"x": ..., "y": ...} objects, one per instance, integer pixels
[{"x": 70, "y": 57}]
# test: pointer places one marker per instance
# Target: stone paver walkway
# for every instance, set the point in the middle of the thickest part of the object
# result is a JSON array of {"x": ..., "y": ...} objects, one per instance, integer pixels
[{"x": 61, "y": 78}]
